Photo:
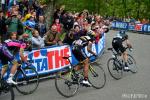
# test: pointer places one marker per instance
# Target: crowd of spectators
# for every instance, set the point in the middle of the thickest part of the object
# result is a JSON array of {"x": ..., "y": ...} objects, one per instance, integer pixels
[{"x": 25, "y": 19}]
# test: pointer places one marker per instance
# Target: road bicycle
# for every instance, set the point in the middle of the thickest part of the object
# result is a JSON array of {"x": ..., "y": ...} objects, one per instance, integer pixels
[
  {"x": 116, "y": 64},
  {"x": 26, "y": 77},
  {"x": 68, "y": 80}
]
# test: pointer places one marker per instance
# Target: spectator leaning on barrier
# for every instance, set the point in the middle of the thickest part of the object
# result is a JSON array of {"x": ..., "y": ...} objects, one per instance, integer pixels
[
  {"x": 52, "y": 37},
  {"x": 37, "y": 41},
  {"x": 69, "y": 38}
]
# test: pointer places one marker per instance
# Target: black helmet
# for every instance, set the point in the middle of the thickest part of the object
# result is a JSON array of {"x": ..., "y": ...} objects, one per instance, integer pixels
[
  {"x": 91, "y": 34},
  {"x": 122, "y": 32}
]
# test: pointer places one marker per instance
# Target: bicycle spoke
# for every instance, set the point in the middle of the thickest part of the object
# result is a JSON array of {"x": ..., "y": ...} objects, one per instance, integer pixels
[
  {"x": 114, "y": 69},
  {"x": 65, "y": 85},
  {"x": 27, "y": 83},
  {"x": 132, "y": 64},
  {"x": 97, "y": 76}
]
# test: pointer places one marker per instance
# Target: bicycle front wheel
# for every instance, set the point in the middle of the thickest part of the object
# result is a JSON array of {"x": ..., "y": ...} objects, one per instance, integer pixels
[
  {"x": 65, "y": 85},
  {"x": 132, "y": 64},
  {"x": 28, "y": 80},
  {"x": 6, "y": 92},
  {"x": 96, "y": 76},
  {"x": 114, "y": 69}
]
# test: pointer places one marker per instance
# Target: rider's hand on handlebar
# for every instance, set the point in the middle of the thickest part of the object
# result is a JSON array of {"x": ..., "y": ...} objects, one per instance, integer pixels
[
  {"x": 28, "y": 64},
  {"x": 95, "y": 55}
]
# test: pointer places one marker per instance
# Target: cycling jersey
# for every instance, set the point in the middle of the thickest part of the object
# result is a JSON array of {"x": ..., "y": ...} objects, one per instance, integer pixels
[
  {"x": 117, "y": 44},
  {"x": 78, "y": 45},
  {"x": 9, "y": 48},
  {"x": 81, "y": 42},
  {"x": 13, "y": 44}
]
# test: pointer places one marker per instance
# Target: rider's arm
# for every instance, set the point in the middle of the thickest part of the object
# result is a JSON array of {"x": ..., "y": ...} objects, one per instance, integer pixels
[
  {"x": 22, "y": 55},
  {"x": 128, "y": 43},
  {"x": 89, "y": 47}
]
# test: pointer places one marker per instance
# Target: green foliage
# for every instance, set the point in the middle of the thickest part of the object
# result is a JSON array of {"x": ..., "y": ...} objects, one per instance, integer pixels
[{"x": 121, "y": 8}]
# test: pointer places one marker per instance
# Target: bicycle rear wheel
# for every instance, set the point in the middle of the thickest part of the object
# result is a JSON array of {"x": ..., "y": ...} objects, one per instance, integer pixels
[
  {"x": 96, "y": 76},
  {"x": 28, "y": 80},
  {"x": 132, "y": 64},
  {"x": 114, "y": 69},
  {"x": 65, "y": 85},
  {"x": 6, "y": 92}
]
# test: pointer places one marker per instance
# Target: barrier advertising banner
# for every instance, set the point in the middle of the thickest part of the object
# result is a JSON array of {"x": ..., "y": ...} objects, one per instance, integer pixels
[
  {"x": 145, "y": 28},
  {"x": 49, "y": 59}
]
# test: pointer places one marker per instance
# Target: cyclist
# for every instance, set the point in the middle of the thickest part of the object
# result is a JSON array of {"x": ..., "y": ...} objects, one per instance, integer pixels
[
  {"x": 7, "y": 52},
  {"x": 119, "y": 43},
  {"x": 80, "y": 55}
]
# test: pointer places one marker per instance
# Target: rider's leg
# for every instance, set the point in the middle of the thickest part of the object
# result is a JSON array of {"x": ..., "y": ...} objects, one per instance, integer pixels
[
  {"x": 4, "y": 69},
  {"x": 10, "y": 57},
  {"x": 86, "y": 68},
  {"x": 14, "y": 68},
  {"x": 125, "y": 56}
]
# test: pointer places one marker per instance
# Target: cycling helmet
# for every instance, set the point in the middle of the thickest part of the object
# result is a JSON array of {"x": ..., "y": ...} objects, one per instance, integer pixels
[
  {"x": 91, "y": 34},
  {"x": 122, "y": 32},
  {"x": 123, "y": 35}
]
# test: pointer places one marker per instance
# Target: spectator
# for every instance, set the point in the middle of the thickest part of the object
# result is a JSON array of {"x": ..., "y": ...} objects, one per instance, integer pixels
[
  {"x": 28, "y": 15},
  {"x": 58, "y": 25},
  {"x": 68, "y": 21},
  {"x": 69, "y": 37},
  {"x": 37, "y": 41},
  {"x": 13, "y": 22},
  {"x": 77, "y": 32},
  {"x": 30, "y": 26},
  {"x": 2, "y": 26},
  {"x": 52, "y": 37},
  {"x": 13, "y": 36},
  {"x": 41, "y": 26}
]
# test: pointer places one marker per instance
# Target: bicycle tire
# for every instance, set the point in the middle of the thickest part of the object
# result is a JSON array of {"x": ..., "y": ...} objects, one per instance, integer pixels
[
  {"x": 8, "y": 93},
  {"x": 64, "y": 84},
  {"x": 113, "y": 68},
  {"x": 27, "y": 83},
  {"x": 96, "y": 76},
  {"x": 132, "y": 64}
]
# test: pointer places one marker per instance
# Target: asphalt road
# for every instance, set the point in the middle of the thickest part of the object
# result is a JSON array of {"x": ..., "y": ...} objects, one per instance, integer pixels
[{"x": 130, "y": 87}]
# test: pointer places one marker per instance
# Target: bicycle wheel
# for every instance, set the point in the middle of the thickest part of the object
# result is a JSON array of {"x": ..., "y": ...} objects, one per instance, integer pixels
[
  {"x": 132, "y": 64},
  {"x": 6, "y": 92},
  {"x": 114, "y": 69},
  {"x": 65, "y": 85},
  {"x": 96, "y": 76},
  {"x": 28, "y": 80}
]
